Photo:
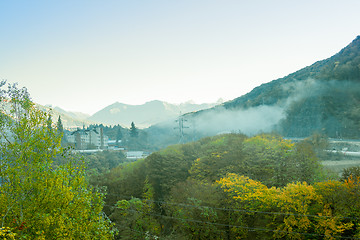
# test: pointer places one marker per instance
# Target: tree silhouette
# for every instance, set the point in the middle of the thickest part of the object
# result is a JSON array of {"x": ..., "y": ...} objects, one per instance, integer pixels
[{"x": 133, "y": 130}]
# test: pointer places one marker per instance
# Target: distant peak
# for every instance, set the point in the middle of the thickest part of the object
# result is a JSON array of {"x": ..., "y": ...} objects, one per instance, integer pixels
[
  {"x": 356, "y": 40},
  {"x": 154, "y": 101},
  {"x": 190, "y": 102},
  {"x": 220, "y": 100},
  {"x": 116, "y": 104}
]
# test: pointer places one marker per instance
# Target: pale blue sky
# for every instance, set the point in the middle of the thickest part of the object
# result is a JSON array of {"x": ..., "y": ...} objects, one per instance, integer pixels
[{"x": 83, "y": 55}]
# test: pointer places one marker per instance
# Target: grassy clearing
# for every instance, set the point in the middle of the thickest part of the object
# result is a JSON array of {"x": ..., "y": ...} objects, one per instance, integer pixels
[{"x": 338, "y": 166}]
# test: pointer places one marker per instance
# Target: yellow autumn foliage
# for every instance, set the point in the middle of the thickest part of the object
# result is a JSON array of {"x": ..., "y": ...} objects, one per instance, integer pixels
[{"x": 296, "y": 210}]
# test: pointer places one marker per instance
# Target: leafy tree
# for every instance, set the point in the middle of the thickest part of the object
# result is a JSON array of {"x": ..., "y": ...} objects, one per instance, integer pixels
[
  {"x": 306, "y": 164},
  {"x": 136, "y": 216},
  {"x": 351, "y": 172},
  {"x": 168, "y": 167},
  {"x": 295, "y": 211},
  {"x": 339, "y": 203},
  {"x": 122, "y": 182},
  {"x": 267, "y": 158},
  {"x": 38, "y": 200},
  {"x": 101, "y": 162},
  {"x": 250, "y": 196},
  {"x": 221, "y": 155},
  {"x": 193, "y": 200}
]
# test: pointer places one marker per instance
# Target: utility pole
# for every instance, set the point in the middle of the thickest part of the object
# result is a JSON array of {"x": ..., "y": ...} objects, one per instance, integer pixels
[{"x": 181, "y": 127}]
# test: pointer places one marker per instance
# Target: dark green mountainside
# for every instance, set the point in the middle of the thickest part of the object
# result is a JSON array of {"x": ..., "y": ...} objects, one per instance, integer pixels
[
  {"x": 323, "y": 97},
  {"x": 343, "y": 66}
]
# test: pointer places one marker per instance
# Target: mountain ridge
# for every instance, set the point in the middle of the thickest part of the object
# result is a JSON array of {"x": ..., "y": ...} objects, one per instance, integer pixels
[
  {"x": 323, "y": 97},
  {"x": 144, "y": 115},
  {"x": 328, "y": 68}
]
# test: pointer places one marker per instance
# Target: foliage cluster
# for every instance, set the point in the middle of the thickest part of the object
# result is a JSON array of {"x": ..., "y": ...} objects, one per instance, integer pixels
[
  {"x": 101, "y": 162},
  {"x": 296, "y": 211},
  {"x": 190, "y": 191},
  {"x": 38, "y": 199}
]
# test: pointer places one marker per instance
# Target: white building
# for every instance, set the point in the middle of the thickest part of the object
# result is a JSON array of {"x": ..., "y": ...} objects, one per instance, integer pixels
[
  {"x": 88, "y": 139},
  {"x": 136, "y": 155}
]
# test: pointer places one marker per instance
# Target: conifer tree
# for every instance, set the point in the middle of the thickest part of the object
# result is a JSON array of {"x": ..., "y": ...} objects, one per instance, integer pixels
[
  {"x": 60, "y": 127},
  {"x": 60, "y": 131},
  {"x": 49, "y": 123},
  {"x": 133, "y": 130}
]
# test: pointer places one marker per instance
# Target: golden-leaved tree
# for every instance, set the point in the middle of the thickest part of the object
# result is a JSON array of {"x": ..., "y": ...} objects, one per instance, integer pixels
[
  {"x": 324, "y": 210},
  {"x": 38, "y": 199}
]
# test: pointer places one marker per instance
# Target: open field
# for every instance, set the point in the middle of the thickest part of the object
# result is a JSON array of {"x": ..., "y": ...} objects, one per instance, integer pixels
[{"x": 338, "y": 165}]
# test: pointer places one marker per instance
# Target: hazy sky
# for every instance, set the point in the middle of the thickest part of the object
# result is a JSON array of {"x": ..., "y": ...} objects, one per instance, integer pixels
[{"x": 83, "y": 55}]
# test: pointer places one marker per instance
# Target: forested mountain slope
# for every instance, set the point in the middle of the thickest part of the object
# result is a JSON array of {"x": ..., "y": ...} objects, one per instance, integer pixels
[
  {"x": 343, "y": 66},
  {"x": 323, "y": 97}
]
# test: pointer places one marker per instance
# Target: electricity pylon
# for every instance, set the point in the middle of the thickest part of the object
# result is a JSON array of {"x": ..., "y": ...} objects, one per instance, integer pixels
[{"x": 181, "y": 127}]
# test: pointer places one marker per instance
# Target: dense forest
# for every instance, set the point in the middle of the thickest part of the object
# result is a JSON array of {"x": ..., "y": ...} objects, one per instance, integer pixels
[{"x": 232, "y": 187}]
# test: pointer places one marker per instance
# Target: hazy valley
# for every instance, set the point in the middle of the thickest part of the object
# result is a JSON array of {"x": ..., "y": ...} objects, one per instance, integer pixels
[
  {"x": 323, "y": 97},
  {"x": 280, "y": 162}
]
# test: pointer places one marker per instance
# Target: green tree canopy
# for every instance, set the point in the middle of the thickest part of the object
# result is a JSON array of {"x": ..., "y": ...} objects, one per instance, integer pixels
[{"x": 37, "y": 199}]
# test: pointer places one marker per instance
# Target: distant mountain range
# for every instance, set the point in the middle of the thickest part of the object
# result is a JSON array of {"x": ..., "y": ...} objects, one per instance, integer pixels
[
  {"x": 74, "y": 115},
  {"x": 143, "y": 115},
  {"x": 68, "y": 119},
  {"x": 323, "y": 98},
  {"x": 146, "y": 114}
]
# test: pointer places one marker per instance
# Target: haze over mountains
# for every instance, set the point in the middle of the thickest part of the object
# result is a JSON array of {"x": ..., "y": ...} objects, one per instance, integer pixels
[
  {"x": 323, "y": 97},
  {"x": 146, "y": 114},
  {"x": 143, "y": 115}
]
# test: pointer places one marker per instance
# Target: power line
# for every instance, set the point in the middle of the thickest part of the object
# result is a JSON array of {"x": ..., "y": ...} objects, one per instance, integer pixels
[
  {"x": 240, "y": 210},
  {"x": 142, "y": 232},
  {"x": 243, "y": 227}
]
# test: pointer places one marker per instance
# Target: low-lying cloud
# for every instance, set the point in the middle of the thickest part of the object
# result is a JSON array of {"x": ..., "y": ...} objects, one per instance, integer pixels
[
  {"x": 250, "y": 121},
  {"x": 265, "y": 117}
]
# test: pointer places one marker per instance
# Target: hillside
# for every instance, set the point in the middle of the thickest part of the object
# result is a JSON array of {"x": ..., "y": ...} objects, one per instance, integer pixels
[
  {"x": 343, "y": 66},
  {"x": 323, "y": 97},
  {"x": 74, "y": 115},
  {"x": 68, "y": 119},
  {"x": 143, "y": 115}
]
